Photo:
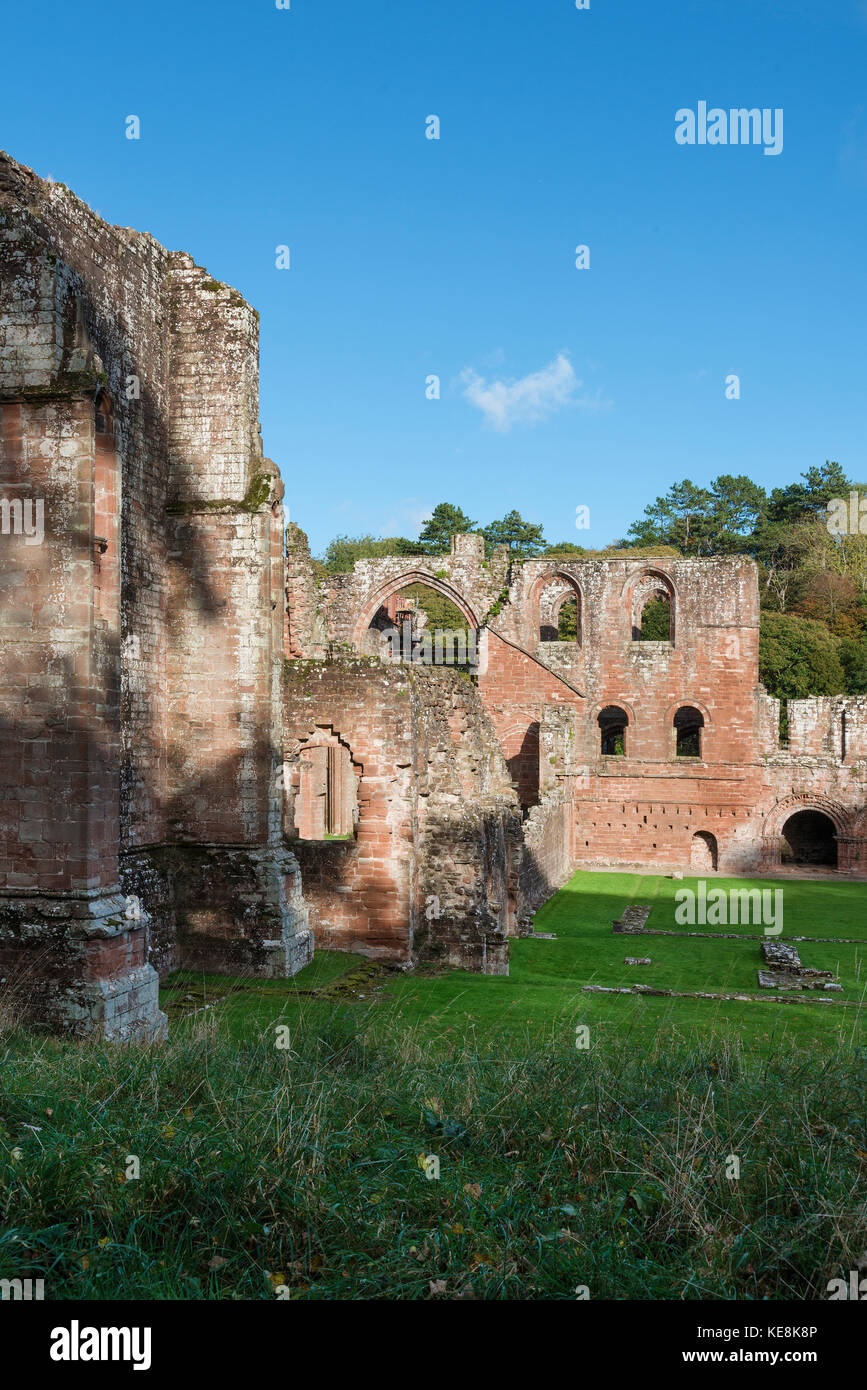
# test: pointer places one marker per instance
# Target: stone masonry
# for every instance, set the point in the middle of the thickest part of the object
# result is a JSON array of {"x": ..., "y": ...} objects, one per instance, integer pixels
[
  {"x": 737, "y": 801},
  {"x": 141, "y": 642}
]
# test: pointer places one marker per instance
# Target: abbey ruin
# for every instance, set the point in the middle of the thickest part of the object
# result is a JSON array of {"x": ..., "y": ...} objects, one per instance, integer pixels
[{"x": 206, "y": 761}]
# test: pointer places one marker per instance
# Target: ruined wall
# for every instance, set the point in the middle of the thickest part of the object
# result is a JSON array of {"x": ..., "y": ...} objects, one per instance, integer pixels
[
  {"x": 334, "y": 613},
  {"x": 823, "y": 767},
  {"x": 469, "y": 842},
  {"x": 548, "y": 858},
  {"x": 516, "y": 688},
  {"x": 431, "y": 869},
  {"x": 73, "y": 292},
  {"x": 128, "y": 405},
  {"x": 649, "y": 808}
]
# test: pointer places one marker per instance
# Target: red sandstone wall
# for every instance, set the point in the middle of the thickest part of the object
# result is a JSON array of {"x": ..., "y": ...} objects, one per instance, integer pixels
[
  {"x": 128, "y": 382},
  {"x": 433, "y": 869},
  {"x": 359, "y": 893},
  {"x": 58, "y": 659},
  {"x": 515, "y": 688}
]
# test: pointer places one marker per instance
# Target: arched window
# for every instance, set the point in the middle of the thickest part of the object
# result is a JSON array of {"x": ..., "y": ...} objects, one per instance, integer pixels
[
  {"x": 613, "y": 723},
  {"x": 419, "y": 625},
  {"x": 688, "y": 724},
  {"x": 652, "y": 609},
  {"x": 559, "y": 610}
]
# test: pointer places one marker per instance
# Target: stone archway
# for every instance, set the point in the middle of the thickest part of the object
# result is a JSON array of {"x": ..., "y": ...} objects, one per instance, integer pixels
[
  {"x": 809, "y": 839},
  {"x": 809, "y": 831},
  {"x": 396, "y": 585},
  {"x": 646, "y": 591},
  {"x": 703, "y": 853}
]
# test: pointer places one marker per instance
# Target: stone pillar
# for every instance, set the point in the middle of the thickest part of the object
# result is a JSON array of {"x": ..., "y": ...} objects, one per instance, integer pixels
[
  {"x": 237, "y": 890},
  {"x": 73, "y": 949}
]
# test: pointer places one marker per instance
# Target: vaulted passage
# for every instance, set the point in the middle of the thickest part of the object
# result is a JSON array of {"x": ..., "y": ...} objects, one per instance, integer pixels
[{"x": 810, "y": 838}]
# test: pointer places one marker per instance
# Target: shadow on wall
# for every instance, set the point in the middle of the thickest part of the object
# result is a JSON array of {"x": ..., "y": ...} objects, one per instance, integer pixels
[
  {"x": 92, "y": 731},
  {"x": 524, "y": 768}
]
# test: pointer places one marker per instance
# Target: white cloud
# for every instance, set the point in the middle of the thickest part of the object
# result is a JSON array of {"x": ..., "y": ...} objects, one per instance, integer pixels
[
  {"x": 406, "y": 517},
  {"x": 527, "y": 399}
]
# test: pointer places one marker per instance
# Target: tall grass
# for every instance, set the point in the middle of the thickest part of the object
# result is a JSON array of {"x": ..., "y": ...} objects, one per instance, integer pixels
[{"x": 301, "y": 1168}]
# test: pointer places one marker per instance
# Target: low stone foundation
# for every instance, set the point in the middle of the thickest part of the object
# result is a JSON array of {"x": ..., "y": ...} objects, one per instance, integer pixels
[
  {"x": 633, "y": 920},
  {"x": 785, "y": 971}
]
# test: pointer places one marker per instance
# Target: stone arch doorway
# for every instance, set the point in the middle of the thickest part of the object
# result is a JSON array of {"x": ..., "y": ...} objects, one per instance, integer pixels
[
  {"x": 809, "y": 839},
  {"x": 321, "y": 783},
  {"x": 703, "y": 853}
]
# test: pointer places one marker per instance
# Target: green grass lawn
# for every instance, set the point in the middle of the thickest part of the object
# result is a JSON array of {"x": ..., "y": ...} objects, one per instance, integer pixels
[
  {"x": 542, "y": 999},
  {"x": 295, "y": 1161}
]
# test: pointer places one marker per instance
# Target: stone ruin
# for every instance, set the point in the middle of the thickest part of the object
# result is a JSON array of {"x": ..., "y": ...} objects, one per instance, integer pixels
[
  {"x": 206, "y": 761},
  {"x": 785, "y": 971},
  {"x": 633, "y": 920}
]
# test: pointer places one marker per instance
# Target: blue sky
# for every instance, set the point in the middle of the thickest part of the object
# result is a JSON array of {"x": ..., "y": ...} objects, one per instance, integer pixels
[{"x": 410, "y": 257}]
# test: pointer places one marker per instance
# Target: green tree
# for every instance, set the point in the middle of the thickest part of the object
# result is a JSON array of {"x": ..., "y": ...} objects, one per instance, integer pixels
[
  {"x": 820, "y": 484},
  {"x": 737, "y": 507},
  {"x": 565, "y": 548},
  {"x": 524, "y": 539},
  {"x": 656, "y": 621},
  {"x": 799, "y": 657},
  {"x": 567, "y": 621},
  {"x": 444, "y": 522},
  {"x": 680, "y": 518},
  {"x": 853, "y": 656},
  {"x": 342, "y": 552},
  {"x": 703, "y": 521}
]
